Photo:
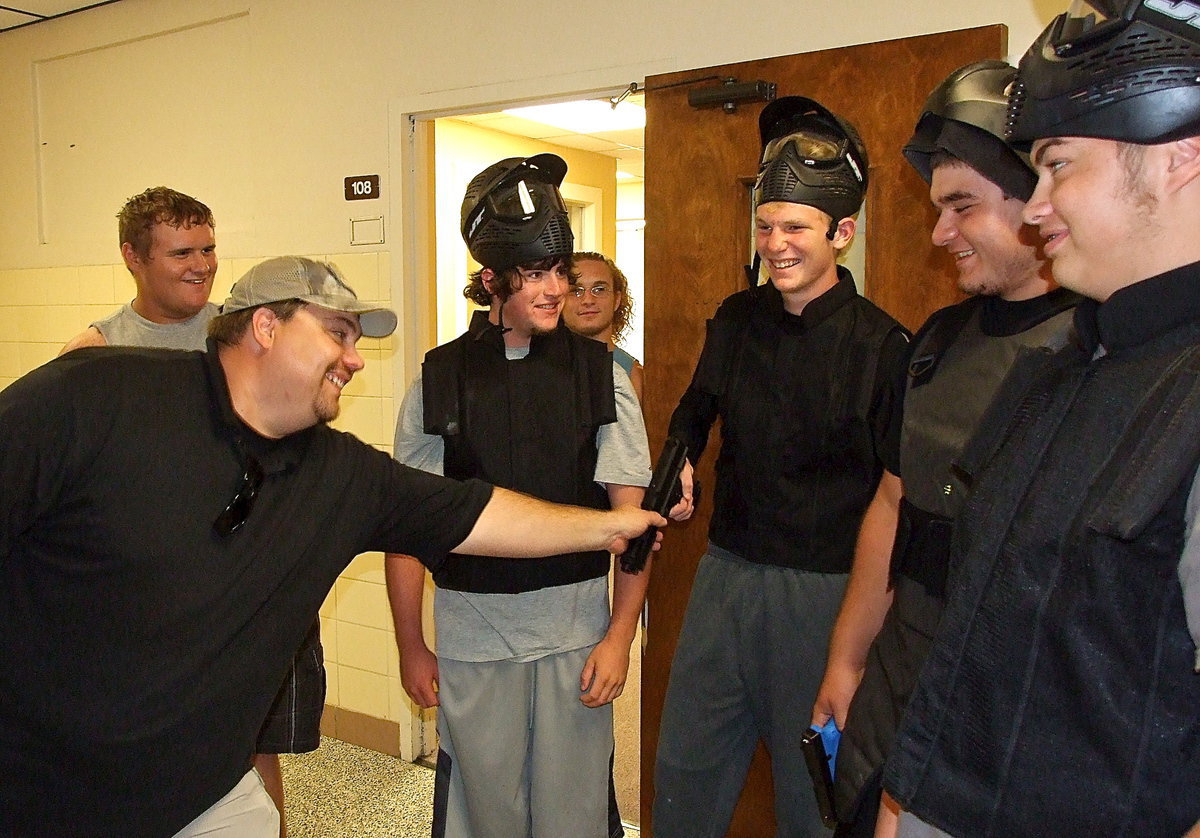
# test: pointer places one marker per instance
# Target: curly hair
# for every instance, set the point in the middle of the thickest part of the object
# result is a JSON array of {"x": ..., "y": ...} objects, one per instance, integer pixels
[
  {"x": 158, "y": 205},
  {"x": 620, "y": 284},
  {"x": 505, "y": 282}
]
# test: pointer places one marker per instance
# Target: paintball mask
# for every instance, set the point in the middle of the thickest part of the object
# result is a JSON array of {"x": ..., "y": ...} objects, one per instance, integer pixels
[
  {"x": 810, "y": 156},
  {"x": 1126, "y": 70},
  {"x": 513, "y": 213}
]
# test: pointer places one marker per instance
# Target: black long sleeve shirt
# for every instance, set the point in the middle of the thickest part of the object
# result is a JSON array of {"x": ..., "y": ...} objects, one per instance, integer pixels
[{"x": 803, "y": 402}]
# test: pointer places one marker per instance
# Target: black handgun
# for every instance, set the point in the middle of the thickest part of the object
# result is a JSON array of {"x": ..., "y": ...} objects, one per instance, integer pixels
[
  {"x": 664, "y": 492},
  {"x": 819, "y": 770}
]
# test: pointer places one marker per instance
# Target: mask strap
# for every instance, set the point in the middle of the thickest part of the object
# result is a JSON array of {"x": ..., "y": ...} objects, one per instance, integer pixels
[{"x": 752, "y": 271}]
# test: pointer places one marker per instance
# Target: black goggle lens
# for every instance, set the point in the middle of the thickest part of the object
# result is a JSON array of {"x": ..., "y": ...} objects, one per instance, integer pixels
[{"x": 522, "y": 200}]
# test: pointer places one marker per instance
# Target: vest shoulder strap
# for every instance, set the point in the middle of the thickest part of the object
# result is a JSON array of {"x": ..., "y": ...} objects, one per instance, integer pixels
[
  {"x": 1028, "y": 367},
  {"x": 594, "y": 382},
  {"x": 441, "y": 387},
  {"x": 931, "y": 342}
]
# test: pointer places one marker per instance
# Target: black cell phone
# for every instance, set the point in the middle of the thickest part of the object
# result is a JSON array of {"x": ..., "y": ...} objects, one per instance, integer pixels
[{"x": 817, "y": 760}]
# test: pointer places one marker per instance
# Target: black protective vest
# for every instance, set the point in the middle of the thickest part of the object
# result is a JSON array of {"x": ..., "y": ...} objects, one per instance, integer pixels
[
  {"x": 953, "y": 374},
  {"x": 527, "y": 424},
  {"x": 1059, "y": 697},
  {"x": 797, "y": 401}
]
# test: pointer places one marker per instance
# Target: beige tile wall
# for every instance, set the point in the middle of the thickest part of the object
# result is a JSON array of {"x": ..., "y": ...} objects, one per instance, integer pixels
[{"x": 41, "y": 309}]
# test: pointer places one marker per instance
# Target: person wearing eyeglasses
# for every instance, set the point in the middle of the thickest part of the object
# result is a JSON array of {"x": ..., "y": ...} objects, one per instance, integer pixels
[
  {"x": 529, "y": 659},
  {"x": 171, "y": 523},
  {"x": 599, "y": 307},
  {"x": 801, "y": 371},
  {"x": 168, "y": 242},
  {"x": 1061, "y": 695}
]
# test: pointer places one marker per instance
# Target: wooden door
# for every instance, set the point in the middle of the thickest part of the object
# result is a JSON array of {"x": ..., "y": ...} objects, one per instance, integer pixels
[{"x": 698, "y": 163}]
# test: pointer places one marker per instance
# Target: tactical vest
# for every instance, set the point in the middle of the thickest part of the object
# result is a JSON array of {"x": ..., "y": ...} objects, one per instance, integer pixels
[
  {"x": 1059, "y": 698},
  {"x": 955, "y": 371},
  {"x": 797, "y": 465},
  {"x": 527, "y": 424}
]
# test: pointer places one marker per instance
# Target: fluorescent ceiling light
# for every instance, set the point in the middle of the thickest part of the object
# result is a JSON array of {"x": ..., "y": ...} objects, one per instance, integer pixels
[
  {"x": 624, "y": 175},
  {"x": 587, "y": 117}
]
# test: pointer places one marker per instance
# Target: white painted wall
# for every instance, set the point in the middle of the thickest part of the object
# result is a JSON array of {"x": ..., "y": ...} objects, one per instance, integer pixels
[{"x": 304, "y": 90}]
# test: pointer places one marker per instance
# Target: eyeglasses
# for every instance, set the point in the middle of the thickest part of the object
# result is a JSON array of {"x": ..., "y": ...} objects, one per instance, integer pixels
[
  {"x": 238, "y": 510},
  {"x": 597, "y": 291}
]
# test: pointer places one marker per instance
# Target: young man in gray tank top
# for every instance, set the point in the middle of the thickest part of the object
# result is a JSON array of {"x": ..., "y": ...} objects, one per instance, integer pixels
[
  {"x": 599, "y": 307},
  {"x": 169, "y": 245}
]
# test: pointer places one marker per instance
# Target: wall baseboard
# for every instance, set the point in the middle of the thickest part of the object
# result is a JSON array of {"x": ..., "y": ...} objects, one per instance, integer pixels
[{"x": 360, "y": 729}]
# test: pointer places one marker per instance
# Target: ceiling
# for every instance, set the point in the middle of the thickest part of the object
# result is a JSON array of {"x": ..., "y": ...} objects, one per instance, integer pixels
[
  {"x": 25, "y": 12},
  {"x": 627, "y": 145}
]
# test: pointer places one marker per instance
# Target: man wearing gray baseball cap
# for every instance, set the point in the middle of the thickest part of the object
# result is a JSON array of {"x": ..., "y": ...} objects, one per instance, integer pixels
[
  {"x": 171, "y": 523},
  {"x": 293, "y": 724},
  {"x": 317, "y": 283}
]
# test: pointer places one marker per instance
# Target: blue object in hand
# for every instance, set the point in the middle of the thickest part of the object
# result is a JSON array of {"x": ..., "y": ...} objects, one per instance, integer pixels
[{"x": 830, "y": 737}]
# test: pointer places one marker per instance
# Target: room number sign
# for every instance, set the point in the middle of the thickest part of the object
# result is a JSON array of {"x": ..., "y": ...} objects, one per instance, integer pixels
[{"x": 362, "y": 187}]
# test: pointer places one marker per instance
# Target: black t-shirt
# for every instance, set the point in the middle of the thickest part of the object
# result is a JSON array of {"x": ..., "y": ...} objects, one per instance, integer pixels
[{"x": 144, "y": 649}]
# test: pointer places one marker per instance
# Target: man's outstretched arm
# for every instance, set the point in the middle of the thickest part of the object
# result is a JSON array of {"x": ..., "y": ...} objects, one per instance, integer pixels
[{"x": 514, "y": 525}]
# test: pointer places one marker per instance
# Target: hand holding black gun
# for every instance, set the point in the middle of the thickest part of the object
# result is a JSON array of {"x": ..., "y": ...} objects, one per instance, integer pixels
[{"x": 663, "y": 493}]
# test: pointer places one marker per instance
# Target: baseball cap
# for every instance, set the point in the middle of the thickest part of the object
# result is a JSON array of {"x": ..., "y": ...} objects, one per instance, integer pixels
[{"x": 319, "y": 283}]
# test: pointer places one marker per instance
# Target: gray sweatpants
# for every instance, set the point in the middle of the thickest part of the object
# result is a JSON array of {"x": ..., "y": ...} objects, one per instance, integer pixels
[
  {"x": 750, "y": 658},
  {"x": 520, "y": 755}
]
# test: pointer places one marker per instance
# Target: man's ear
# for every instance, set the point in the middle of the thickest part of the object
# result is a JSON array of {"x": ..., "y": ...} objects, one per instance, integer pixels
[
  {"x": 130, "y": 256},
  {"x": 488, "y": 276},
  {"x": 1183, "y": 162},
  {"x": 262, "y": 327},
  {"x": 845, "y": 231}
]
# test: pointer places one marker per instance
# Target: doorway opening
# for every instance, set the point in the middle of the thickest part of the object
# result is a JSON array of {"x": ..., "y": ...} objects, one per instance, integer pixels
[
  {"x": 604, "y": 146},
  {"x": 604, "y": 192}
]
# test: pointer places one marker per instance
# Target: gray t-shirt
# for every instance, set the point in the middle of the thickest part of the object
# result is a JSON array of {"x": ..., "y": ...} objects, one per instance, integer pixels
[
  {"x": 125, "y": 327},
  {"x": 527, "y": 626}
]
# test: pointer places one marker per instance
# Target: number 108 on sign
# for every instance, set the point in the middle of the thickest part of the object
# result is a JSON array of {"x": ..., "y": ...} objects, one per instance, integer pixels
[{"x": 362, "y": 187}]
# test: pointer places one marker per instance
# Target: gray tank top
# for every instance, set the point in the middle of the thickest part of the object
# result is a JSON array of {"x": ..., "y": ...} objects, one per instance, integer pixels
[{"x": 126, "y": 327}]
